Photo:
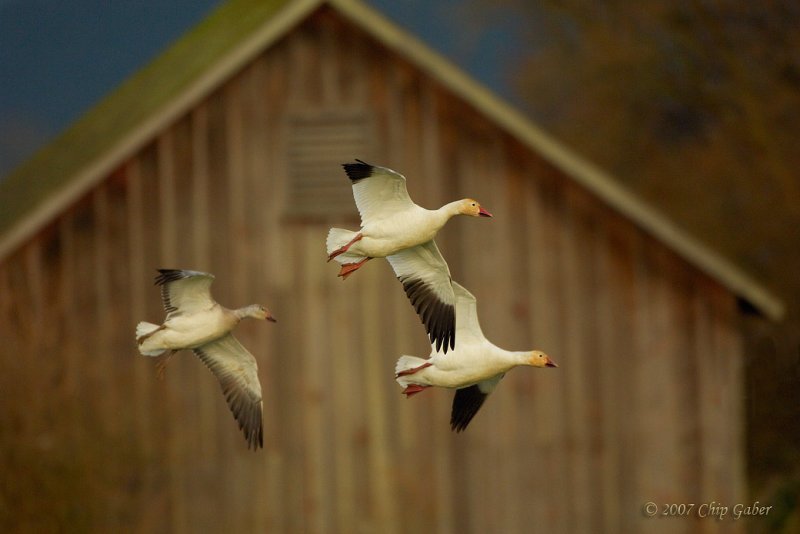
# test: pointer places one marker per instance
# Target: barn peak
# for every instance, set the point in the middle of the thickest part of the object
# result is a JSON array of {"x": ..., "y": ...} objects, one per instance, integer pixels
[{"x": 234, "y": 35}]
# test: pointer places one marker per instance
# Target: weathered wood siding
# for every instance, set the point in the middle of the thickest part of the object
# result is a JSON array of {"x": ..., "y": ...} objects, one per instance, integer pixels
[{"x": 645, "y": 405}]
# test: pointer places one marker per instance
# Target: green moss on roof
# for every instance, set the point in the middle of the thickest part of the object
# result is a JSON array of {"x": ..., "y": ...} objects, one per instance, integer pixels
[{"x": 137, "y": 99}]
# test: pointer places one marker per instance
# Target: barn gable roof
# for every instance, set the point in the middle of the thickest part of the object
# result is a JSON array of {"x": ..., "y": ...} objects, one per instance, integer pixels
[{"x": 232, "y": 36}]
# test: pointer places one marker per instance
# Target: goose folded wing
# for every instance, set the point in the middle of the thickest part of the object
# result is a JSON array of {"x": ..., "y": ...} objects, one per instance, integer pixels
[
  {"x": 426, "y": 281},
  {"x": 379, "y": 192},
  {"x": 467, "y": 401},
  {"x": 237, "y": 372},
  {"x": 185, "y": 291}
]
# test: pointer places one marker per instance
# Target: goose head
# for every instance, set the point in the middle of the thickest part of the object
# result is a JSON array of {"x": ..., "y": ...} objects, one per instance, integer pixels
[
  {"x": 537, "y": 358},
  {"x": 257, "y": 311},
  {"x": 472, "y": 208}
]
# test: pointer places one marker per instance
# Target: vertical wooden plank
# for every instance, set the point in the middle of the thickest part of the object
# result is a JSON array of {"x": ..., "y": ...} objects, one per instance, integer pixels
[
  {"x": 547, "y": 320},
  {"x": 680, "y": 278},
  {"x": 34, "y": 300},
  {"x": 202, "y": 217},
  {"x": 236, "y": 188},
  {"x": 201, "y": 204},
  {"x": 730, "y": 348},
  {"x": 691, "y": 395},
  {"x": 421, "y": 141},
  {"x": 659, "y": 474},
  {"x": 645, "y": 421},
  {"x": 33, "y": 281},
  {"x": 530, "y": 500},
  {"x": 305, "y": 82},
  {"x": 284, "y": 457},
  {"x": 188, "y": 372},
  {"x": 87, "y": 415},
  {"x": 720, "y": 400},
  {"x": 354, "y": 51},
  {"x": 273, "y": 178},
  {"x": 122, "y": 352},
  {"x": 610, "y": 311},
  {"x": 380, "y": 478},
  {"x": 506, "y": 195},
  {"x": 24, "y": 310},
  {"x": 591, "y": 224},
  {"x": 484, "y": 178},
  {"x": 212, "y": 143},
  {"x": 388, "y": 86},
  {"x": 478, "y": 497},
  {"x": 167, "y": 198},
  {"x": 102, "y": 304},
  {"x": 159, "y": 415},
  {"x": 623, "y": 249},
  {"x": 345, "y": 373},
  {"x": 101, "y": 370},
  {"x": 445, "y": 180},
  {"x": 349, "y": 435},
  {"x": 290, "y": 380},
  {"x": 290, "y": 77},
  {"x": 709, "y": 401},
  {"x": 258, "y": 334},
  {"x": 314, "y": 394},
  {"x": 238, "y": 481},
  {"x": 577, "y": 295},
  {"x": 328, "y": 44},
  {"x": 137, "y": 296},
  {"x": 429, "y": 136},
  {"x": 167, "y": 244},
  {"x": 67, "y": 300},
  {"x": 258, "y": 182},
  {"x": 30, "y": 289}
]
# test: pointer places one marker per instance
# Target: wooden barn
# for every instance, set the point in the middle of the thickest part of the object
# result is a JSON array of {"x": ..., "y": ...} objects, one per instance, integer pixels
[{"x": 224, "y": 155}]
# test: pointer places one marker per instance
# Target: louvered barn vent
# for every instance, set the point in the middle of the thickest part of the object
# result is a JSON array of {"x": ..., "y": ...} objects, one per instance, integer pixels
[{"x": 318, "y": 144}]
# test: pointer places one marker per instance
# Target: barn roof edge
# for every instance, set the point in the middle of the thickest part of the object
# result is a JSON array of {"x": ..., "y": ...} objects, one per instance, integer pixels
[{"x": 34, "y": 193}]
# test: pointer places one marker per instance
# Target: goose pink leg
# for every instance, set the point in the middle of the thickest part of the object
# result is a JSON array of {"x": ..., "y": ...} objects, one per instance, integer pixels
[
  {"x": 141, "y": 339},
  {"x": 344, "y": 248},
  {"x": 414, "y": 369},
  {"x": 161, "y": 365},
  {"x": 413, "y": 389},
  {"x": 349, "y": 268}
]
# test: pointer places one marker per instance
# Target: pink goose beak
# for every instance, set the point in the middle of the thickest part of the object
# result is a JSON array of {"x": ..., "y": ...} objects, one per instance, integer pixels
[{"x": 483, "y": 213}]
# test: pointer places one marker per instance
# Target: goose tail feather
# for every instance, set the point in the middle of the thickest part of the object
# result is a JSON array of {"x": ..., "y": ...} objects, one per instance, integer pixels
[
  {"x": 143, "y": 329},
  {"x": 405, "y": 363},
  {"x": 337, "y": 238}
]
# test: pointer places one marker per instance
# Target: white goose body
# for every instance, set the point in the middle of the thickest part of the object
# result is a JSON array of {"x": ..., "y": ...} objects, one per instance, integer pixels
[
  {"x": 473, "y": 368},
  {"x": 395, "y": 228},
  {"x": 183, "y": 331},
  {"x": 469, "y": 365},
  {"x": 195, "y": 321},
  {"x": 415, "y": 225}
]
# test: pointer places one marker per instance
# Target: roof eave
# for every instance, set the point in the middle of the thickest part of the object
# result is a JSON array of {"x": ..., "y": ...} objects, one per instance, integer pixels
[
  {"x": 235, "y": 33},
  {"x": 134, "y": 113},
  {"x": 588, "y": 175}
]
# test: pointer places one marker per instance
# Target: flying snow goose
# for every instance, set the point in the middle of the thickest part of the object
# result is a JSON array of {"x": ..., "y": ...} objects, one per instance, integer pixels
[
  {"x": 393, "y": 227},
  {"x": 473, "y": 368},
  {"x": 196, "y": 322}
]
